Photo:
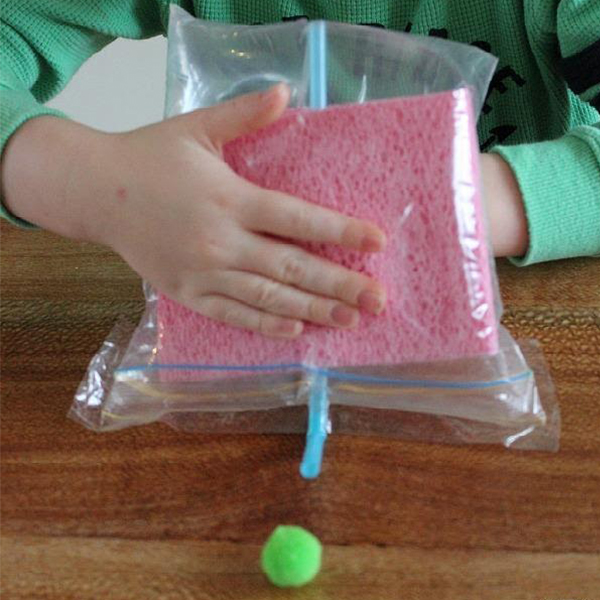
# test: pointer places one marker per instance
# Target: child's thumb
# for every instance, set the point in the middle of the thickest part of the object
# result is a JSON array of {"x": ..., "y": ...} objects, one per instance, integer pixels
[{"x": 243, "y": 114}]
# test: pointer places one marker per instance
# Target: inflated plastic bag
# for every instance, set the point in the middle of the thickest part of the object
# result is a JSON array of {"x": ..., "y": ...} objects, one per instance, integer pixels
[{"x": 381, "y": 125}]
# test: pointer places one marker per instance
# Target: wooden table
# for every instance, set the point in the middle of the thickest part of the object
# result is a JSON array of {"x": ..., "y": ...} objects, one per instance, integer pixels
[{"x": 151, "y": 513}]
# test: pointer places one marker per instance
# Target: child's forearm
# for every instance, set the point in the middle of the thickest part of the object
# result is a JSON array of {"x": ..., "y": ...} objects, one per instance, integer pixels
[
  {"x": 504, "y": 204},
  {"x": 51, "y": 177}
]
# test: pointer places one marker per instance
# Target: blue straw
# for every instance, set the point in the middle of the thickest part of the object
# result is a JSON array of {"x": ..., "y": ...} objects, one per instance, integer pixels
[
  {"x": 318, "y": 402},
  {"x": 317, "y": 64},
  {"x": 318, "y": 427}
]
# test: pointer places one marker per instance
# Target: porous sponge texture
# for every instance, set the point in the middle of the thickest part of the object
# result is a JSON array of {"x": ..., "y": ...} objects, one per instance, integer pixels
[{"x": 411, "y": 166}]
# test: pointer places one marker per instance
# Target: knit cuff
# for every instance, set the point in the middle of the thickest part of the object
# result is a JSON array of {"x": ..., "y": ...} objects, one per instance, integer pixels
[
  {"x": 560, "y": 185},
  {"x": 17, "y": 107}
]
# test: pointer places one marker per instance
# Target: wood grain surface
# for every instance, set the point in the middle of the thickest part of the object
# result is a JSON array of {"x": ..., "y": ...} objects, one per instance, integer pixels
[{"x": 158, "y": 514}]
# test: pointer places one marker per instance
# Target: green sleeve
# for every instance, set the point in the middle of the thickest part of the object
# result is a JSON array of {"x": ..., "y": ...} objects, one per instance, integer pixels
[
  {"x": 560, "y": 179},
  {"x": 44, "y": 42},
  {"x": 560, "y": 183}
]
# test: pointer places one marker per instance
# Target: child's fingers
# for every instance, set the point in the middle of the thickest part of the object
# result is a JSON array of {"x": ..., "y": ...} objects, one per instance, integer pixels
[
  {"x": 294, "y": 266},
  {"x": 233, "y": 312},
  {"x": 287, "y": 216},
  {"x": 281, "y": 299}
]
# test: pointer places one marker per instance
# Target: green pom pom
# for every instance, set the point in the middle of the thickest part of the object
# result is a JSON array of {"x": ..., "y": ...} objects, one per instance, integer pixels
[{"x": 291, "y": 557}]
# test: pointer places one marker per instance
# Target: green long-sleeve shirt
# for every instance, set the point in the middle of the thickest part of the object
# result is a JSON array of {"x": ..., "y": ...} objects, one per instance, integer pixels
[{"x": 541, "y": 113}]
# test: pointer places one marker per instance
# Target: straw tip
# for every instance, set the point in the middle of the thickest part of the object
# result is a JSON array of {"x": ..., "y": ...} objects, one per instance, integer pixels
[{"x": 310, "y": 470}]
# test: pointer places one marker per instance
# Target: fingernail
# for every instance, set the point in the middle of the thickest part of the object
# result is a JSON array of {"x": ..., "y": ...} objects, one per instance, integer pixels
[
  {"x": 344, "y": 316},
  {"x": 371, "y": 302},
  {"x": 288, "y": 328},
  {"x": 272, "y": 93},
  {"x": 372, "y": 243}
]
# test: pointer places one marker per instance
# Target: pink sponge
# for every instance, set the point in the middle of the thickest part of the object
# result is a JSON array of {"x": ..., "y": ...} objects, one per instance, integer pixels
[{"x": 411, "y": 166}]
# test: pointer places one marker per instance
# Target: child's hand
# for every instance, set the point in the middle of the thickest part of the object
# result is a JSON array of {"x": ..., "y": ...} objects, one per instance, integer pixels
[{"x": 201, "y": 234}]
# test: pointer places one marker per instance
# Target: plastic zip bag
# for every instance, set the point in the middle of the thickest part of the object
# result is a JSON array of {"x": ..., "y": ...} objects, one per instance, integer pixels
[{"x": 436, "y": 366}]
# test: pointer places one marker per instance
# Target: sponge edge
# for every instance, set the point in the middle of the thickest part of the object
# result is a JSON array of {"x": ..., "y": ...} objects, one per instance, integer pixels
[{"x": 291, "y": 557}]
